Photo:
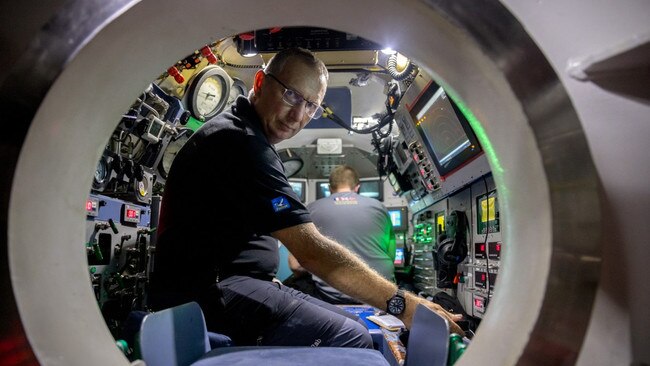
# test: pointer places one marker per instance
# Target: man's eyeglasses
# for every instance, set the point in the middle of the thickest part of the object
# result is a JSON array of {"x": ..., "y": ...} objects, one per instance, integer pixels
[{"x": 293, "y": 98}]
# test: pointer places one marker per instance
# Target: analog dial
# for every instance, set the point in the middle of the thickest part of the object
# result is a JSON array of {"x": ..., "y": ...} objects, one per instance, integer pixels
[
  {"x": 209, "y": 95},
  {"x": 171, "y": 151},
  {"x": 208, "y": 92}
]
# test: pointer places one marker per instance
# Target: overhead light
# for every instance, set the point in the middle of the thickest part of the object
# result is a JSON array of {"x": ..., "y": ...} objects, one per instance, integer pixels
[
  {"x": 246, "y": 45},
  {"x": 292, "y": 162},
  {"x": 388, "y": 51}
]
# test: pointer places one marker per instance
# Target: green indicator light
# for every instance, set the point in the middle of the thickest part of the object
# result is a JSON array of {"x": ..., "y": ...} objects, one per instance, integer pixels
[{"x": 93, "y": 270}]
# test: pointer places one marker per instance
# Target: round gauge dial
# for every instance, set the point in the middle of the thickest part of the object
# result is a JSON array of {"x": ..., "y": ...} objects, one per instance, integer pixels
[
  {"x": 238, "y": 88},
  {"x": 102, "y": 172},
  {"x": 208, "y": 92},
  {"x": 209, "y": 95},
  {"x": 172, "y": 150}
]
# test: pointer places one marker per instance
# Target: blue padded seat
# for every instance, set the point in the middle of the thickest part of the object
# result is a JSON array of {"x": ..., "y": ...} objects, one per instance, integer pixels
[
  {"x": 283, "y": 356},
  {"x": 178, "y": 337}
]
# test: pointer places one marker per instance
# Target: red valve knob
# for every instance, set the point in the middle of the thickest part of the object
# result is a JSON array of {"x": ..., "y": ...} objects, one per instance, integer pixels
[
  {"x": 173, "y": 71},
  {"x": 207, "y": 53}
]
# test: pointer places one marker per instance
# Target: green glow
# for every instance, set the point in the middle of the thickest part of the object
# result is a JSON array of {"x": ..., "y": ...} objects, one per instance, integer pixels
[
  {"x": 481, "y": 135},
  {"x": 193, "y": 124}
]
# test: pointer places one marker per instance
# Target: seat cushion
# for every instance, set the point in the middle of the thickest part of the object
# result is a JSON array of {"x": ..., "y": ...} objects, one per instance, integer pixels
[{"x": 283, "y": 356}]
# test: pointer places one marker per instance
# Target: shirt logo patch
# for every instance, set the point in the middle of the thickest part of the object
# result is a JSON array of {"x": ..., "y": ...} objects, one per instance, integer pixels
[
  {"x": 345, "y": 200},
  {"x": 280, "y": 203}
]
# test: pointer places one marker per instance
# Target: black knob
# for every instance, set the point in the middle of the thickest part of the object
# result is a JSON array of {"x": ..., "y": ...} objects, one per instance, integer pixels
[{"x": 185, "y": 117}]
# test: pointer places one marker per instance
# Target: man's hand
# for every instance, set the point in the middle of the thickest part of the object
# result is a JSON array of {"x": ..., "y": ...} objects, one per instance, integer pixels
[{"x": 412, "y": 302}]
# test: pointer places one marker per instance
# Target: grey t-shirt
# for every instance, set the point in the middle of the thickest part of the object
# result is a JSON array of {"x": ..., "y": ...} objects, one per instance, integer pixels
[{"x": 361, "y": 224}]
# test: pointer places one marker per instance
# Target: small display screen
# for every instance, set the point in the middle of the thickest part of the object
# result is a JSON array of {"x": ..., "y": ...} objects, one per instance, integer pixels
[
  {"x": 322, "y": 189},
  {"x": 299, "y": 188},
  {"x": 398, "y": 217},
  {"x": 155, "y": 127},
  {"x": 444, "y": 130},
  {"x": 479, "y": 250},
  {"x": 479, "y": 303},
  {"x": 368, "y": 188},
  {"x": 399, "y": 257},
  {"x": 372, "y": 188},
  {"x": 494, "y": 250},
  {"x": 131, "y": 214},
  {"x": 480, "y": 279},
  {"x": 487, "y": 213},
  {"x": 440, "y": 223}
]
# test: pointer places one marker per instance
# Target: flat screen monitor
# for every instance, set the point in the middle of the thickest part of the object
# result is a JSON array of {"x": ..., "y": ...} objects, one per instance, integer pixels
[
  {"x": 445, "y": 131},
  {"x": 373, "y": 188},
  {"x": 300, "y": 188},
  {"x": 399, "y": 218},
  {"x": 322, "y": 190}
]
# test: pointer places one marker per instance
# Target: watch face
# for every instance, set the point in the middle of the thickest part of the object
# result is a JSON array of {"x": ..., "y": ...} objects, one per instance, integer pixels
[{"x": 396, "y": 305}]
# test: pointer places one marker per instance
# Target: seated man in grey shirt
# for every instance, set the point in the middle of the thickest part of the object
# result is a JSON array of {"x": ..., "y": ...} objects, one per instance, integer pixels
[{"x": 360, "y": 223}]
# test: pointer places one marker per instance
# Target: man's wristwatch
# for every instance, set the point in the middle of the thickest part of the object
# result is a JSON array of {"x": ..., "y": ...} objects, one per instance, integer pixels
[{"x": 396, "y": 304}]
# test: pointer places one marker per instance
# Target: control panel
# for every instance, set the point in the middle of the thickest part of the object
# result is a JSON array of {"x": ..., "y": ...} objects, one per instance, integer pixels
[
  {"x": 118, "y": 246},
  {"x": 436, "y": 150},
  {"x": 481, "y": 272}
]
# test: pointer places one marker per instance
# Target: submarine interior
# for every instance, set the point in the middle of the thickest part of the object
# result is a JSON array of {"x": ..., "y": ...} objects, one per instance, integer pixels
[{"x": 528, "y": 119}]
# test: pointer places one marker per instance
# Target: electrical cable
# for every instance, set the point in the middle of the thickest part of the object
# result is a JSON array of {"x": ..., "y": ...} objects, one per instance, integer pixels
[{"x": 391, "y": 66}]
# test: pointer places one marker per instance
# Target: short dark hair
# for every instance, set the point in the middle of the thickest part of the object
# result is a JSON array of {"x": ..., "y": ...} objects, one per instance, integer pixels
[
  {"x": 277, "y": 62},
  {"x": 343, "y": 176}
]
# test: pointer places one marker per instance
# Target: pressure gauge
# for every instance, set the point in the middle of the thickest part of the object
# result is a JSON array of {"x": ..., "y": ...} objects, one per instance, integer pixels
[
  {"x": 102, "y": 174},
  {"x": 172, "y": 150},
  {"x": 208, "y": 92},
  {"x": 238, "y": 88}
]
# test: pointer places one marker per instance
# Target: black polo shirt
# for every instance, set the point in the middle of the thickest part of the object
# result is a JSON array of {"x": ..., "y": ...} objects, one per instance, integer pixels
[{"x": 226, "y": 192}]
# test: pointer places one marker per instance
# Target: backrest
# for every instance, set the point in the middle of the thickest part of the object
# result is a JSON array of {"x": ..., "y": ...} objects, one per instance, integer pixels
[
  {"x": 428, "y": 343},
  {"x": 173, "y": 337}
]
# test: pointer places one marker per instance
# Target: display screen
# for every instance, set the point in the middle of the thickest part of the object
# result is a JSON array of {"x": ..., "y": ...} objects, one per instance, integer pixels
[
  {"x": 398, "y": 216},
  {"x": 372, "y": 188},
  {"x": 444, "y": 130},
  {"x": 440, "y": 223},
  {"x": 494, "y": 250},
  {"x": 131, "y": 214},
  {"x": 480, "y": 279},
  {"x": 155, "y": 127},
  {"x": 322, "y": 190},
  {"x": 487, "y": 213},
  {"x": 399, "y": 257},
  {"x": 368, "y": 188},
  {"x": 479, "y": 250},
  {"x": 299, "y": 187}
]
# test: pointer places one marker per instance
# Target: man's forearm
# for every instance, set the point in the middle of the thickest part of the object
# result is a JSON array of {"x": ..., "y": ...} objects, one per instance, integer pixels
[{"x": 352, "y": 276}]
